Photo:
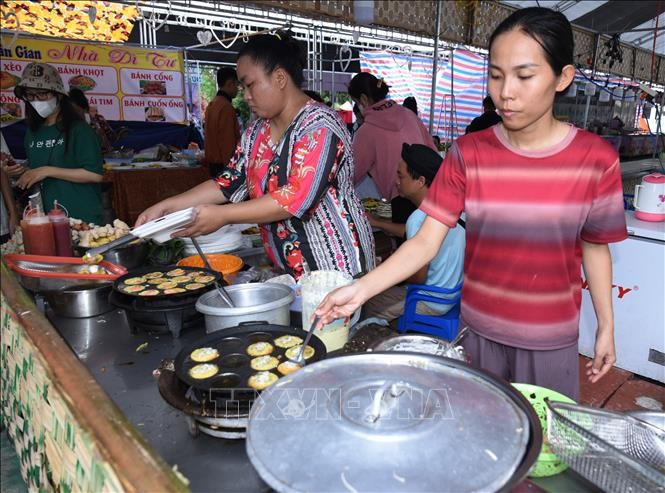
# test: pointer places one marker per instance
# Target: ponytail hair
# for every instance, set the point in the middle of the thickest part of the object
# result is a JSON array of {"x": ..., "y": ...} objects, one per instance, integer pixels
[
  {"x": 277, "y": 50},
  {"x": 365, "y": 83}
]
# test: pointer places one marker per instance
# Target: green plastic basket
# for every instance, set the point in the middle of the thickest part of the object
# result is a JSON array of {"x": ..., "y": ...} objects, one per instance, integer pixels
[{"x": 547, "y": 464}]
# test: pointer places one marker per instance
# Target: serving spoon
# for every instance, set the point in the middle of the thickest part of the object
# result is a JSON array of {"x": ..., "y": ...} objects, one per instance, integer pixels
[{"x": 300, "y": 356}]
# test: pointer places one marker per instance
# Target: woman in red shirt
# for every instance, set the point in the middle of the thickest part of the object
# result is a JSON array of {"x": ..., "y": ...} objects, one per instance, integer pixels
[{"x": 542, "y": 199}]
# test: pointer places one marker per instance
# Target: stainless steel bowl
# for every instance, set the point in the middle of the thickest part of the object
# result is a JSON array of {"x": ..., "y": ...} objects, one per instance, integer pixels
[
  {"x": 129, "y": 256},
  {"x": 254, "y": 302},
  {"x": 82, "y": 300}
]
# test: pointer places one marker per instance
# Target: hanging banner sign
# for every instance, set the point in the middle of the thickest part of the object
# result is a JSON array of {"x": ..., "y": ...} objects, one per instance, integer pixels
[{"x": 121, "y": 83}]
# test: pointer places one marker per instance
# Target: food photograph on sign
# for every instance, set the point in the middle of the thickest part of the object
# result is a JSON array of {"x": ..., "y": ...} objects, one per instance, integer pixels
[
  {"x": 7, "y": 80},
  {"x": 154, "y": 114},
  {"x": 82, "y": 82},
  {"x": 153, "y": 87}
]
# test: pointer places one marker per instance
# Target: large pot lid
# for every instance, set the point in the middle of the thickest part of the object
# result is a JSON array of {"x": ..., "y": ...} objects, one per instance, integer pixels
[{"x": 387, "y": 422}]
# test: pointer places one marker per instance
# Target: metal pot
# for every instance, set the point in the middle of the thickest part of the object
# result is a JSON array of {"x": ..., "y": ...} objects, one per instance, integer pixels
[
  {"x": 417, "y": 343},
  {"x": 81, "y": 300},
  {"x": 254, "y": 302},
  {"x": 129, "y": 256},
  {"x": 373, "y": 421}
]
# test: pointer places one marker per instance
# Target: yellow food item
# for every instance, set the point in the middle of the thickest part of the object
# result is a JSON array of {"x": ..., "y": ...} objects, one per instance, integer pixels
[
  {"x": 264, "y": 363},
  {"x": 156, "y": 281},
  {"x": 176, "y": 272},
  {"x": 181, "y": 279},
  {"x": 287, "y": 341},
  {"x": 194, "y": 286},
  {"x": 204, "y": 354},
  {"x": 204, "y": 279},
  {"x": 167, "y": 285},
  {"x": 259, "y": 349},
  {"x": 153, "y": 275},
  {"x": 262, "y": 380},
  {"x": 292, "y": 353},
  {"x": 174, "y": 291},
  {"x": 134, "y": 280},
  {"x": 288, "y": 367},
  {"x": 205, "y": 370},
  {"x": 149, "y": 292},
  {"x": 134, "y": 288}
]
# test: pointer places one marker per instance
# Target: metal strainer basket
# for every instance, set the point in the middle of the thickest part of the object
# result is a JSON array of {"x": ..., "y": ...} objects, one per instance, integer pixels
[{"x": 616, "y": 452}]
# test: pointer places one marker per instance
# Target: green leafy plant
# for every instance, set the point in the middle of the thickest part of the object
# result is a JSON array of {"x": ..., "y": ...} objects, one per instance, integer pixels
[{"x": 165, "y": 254}]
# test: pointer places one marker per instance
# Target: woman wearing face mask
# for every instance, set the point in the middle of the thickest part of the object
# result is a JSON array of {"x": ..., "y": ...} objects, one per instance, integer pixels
[
  {"x": 63, "y": 153},
  {"x": 542, "y": 199},
  {"x": 98, "y": 123},
  {"x": 292, "y": 173}
]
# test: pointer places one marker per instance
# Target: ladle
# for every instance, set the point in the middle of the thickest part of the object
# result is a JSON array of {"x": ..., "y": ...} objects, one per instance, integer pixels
[{"x": 220, "y": 289}]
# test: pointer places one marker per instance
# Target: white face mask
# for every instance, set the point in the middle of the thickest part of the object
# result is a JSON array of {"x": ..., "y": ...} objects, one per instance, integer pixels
[
  {"x": 45, "y": 108},
  {"x": 87, "y": 118}
]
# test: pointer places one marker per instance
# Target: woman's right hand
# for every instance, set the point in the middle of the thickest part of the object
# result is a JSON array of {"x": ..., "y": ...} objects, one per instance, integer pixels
[
  {"x": 153, "y": 212},
  {"x": 341, "y": 303},
  {"x": 15, "y": 170}
]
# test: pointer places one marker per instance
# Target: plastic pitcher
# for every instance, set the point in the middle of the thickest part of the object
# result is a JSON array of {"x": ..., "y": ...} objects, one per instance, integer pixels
[
  {"x": 37, "y": 233},
  {"x": 314, "y": 286}
]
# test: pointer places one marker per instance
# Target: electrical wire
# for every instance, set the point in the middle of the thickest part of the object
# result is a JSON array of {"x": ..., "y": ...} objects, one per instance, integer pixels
[{"x": 602, "y": 88}]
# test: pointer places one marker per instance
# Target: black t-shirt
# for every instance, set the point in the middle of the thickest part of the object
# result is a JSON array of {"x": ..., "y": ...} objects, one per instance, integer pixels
[{"x": 483, "y": 121}]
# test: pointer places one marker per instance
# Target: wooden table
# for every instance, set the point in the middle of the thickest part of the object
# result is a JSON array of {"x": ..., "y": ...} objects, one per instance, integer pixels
[{"x": 135, "y": 190}]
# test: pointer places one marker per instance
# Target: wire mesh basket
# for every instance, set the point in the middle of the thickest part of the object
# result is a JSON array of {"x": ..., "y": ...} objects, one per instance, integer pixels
[{"x": 616, "y": 452}]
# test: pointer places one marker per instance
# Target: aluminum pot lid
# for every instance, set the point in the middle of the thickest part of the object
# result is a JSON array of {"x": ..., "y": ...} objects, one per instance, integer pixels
[{"x": 386, "y": 422}]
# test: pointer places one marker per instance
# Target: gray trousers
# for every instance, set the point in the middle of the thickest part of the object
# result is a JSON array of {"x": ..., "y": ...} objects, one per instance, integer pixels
[{"x": 556, "y": 369}]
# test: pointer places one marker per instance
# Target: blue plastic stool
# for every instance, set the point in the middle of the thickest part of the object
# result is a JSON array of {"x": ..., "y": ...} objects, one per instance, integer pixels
[{"x": 443, "y": 326}]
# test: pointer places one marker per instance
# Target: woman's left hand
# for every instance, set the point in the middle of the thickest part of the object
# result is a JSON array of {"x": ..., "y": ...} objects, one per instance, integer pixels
[
  {"x": 207, "y": 218},
  {"x": 32, "y": 176},
  {"x": 604, "y": 355}
]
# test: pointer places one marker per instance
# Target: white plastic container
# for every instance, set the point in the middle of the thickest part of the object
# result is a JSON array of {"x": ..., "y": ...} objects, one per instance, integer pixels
[{"x": 314, "y": 286}]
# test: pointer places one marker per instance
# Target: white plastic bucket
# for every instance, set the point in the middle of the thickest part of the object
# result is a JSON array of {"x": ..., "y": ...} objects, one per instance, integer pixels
[{"x": 314, "y": 286}]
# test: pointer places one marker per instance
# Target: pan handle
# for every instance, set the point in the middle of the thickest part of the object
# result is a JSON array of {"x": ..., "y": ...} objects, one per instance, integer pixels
[
  {"x": 384, "y": 400},
  {"x": 252, "y": 322}
]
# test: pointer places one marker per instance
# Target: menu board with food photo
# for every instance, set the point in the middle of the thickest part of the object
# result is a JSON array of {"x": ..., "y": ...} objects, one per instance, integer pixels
[
  {"x": 121, "y": 83},
  {"x": 152, "y": 109},
  {"x": 151, "y": 82}
]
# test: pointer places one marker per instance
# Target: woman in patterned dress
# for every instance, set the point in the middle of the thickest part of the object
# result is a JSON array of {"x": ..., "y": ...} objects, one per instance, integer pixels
[{"x": 292, "y": 172}]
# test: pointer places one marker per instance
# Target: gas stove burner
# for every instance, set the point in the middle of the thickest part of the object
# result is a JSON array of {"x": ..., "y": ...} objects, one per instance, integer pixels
[
  {"x": 158, "y": 315},
  {"x": 206, "y": 416}
]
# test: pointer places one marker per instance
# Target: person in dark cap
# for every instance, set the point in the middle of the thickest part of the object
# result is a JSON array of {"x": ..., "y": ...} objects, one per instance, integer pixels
[
  {"x": 489, "y": 117},
  {"x": 416, "y": 171}
]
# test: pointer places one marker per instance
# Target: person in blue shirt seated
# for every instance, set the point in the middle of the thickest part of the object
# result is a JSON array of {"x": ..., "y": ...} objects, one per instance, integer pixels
[{"x": 417, "y": 167}]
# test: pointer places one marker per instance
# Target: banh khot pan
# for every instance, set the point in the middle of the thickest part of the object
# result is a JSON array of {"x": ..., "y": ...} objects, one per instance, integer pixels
[
  {"x": 234, "y": 362},
  {"x": 120, "y": 284}
]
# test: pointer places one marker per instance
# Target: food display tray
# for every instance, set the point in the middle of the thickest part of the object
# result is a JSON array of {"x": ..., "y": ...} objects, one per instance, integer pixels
[
  {"x": 147, "y": 270},
  {"x": 234, "y": 362}
]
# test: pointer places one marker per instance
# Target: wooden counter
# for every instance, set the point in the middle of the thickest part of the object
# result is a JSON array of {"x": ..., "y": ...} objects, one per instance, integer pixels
[{"x": 68, "y": 433}]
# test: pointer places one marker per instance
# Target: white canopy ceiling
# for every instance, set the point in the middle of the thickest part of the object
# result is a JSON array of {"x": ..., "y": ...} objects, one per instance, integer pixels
[{"x": 635, "y": 20}]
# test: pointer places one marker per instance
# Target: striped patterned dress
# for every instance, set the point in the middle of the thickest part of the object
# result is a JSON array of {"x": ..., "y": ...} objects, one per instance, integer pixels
[{"x": 310, "y": 174}]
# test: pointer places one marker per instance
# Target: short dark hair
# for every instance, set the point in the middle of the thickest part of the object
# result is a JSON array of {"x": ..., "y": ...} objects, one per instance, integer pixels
[
  {"x": 488, "y": 104},
  {"x": 78, "y": 98},
  {"x": 411, "y": 103},
  {"x": 278, "y": 50},
  {"x": 365, "y": 83},
  {"x": 549, "y": 28},
  {"x": 314, "y": 95},
  {"x": 224, "y": 74}
]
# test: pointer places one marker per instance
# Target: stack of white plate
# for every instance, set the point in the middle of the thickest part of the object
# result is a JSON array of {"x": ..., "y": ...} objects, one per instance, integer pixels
[
  {"x": 226, "y": 239},
  {"x": 384, "y": 210}
]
